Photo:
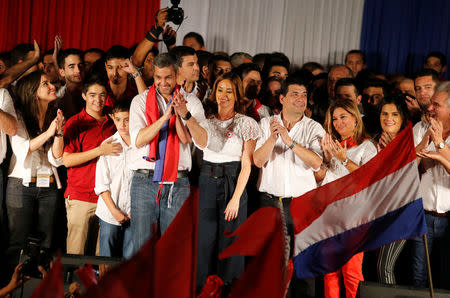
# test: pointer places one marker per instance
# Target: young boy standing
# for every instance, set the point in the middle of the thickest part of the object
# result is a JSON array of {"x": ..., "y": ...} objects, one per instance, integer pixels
[
  {"x": 83, "y": 137},
  {"x": 112, "y": 183}
]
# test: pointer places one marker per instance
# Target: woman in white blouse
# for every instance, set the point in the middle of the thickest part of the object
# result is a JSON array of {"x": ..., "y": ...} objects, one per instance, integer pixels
[
  {"x": 33, "y": 181},
  {"x": 228, "y": 139},
  {"x": 346, "y": 147}
]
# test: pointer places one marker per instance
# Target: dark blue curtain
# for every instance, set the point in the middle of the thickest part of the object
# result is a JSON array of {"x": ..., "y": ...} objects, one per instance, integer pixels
[{"x": 398, "y": 34}]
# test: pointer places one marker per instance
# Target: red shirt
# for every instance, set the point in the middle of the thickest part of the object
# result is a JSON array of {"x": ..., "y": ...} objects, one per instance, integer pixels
[
  {"x": 129, "y": 94},
  {"x": 82, "y": 133}
]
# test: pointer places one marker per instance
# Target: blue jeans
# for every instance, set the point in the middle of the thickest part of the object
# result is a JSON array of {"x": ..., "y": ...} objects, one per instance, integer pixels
[
  {"x": 115, "y": 241},
  {"x": 145, "y": 211},
  {"x": 30, "y": 210},
  {"x": 437, "y": 227}
]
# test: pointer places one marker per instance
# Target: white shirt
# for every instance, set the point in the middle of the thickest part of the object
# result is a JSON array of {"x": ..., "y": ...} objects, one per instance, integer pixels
[
  {"x": 435, "y": 182},
  {"x": 263, "y": 110},
  {"x": 358, "y": 154},
  {"x": 285, "y": 174},
  {"x": 23, "y": 164},
  {"x": 114, "y": 175},
  {"x": 138, "y": 121},
  {"x": 193, "y": 93},
  {"x": 7, "y": 106},
  {"x": 226, "y": 138}
]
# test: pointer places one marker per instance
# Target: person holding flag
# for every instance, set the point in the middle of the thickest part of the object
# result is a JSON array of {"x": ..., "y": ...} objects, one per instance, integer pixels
[{"x": 346, "y": 147}]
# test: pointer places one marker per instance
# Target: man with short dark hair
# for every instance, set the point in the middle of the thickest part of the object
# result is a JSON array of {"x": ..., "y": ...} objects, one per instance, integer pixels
[
  {"x": 217, "y": 65},
  {"x": 438, "y": 62},
  {"x": 251, "y": 84},
  {"x": 288, "y": 152},
  {"x": 147, "y": 67},
  {"x": 71, "y": 68},
  {"x": 337, "y": 72},
  {"x": 50, "y": 68},
  {"x": 346, "y": 88},
  {"x": 194, "y": 40},
  {"x": 118, "y": 66},
  {"x": 160, "y": 184},
  {"x": 424, "y": 83},
  {"x": 356, "y": 61},
  {"x": 90, "y": 56},
  {"x": 188, "y": 71}
]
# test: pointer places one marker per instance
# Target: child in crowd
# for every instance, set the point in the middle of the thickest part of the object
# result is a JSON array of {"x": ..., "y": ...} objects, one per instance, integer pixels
[
  {"x": 84, "y": 134},
  {"x": 112, "y": 184}
]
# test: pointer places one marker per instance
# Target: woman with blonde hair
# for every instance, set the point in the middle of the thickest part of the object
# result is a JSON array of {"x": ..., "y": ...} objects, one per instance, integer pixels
[{"x": 346, "y": 147}]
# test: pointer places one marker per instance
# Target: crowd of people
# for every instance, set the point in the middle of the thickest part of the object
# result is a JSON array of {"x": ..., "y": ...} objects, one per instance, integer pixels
[{"x": 120, "y": 136}]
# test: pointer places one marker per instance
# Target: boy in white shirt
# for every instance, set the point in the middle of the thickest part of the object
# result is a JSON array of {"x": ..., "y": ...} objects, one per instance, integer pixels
[{"x": 112, "y": 184}]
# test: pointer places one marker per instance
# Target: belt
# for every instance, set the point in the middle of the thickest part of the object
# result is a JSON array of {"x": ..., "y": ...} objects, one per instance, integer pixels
[
  {"x": 34, "y": 179},
  {"x": 434, "y": 213},
  {"x": 281, "y": 199},
  {"x": 219, "y": 170},
  {"x": 148, "y": 172}
]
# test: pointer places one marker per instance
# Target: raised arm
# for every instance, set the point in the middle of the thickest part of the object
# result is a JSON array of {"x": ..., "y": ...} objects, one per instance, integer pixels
[
  {"x": 130, "y": 69},
  {"x": 150, "y": 39},
  {"x": 15, "y": 71}
]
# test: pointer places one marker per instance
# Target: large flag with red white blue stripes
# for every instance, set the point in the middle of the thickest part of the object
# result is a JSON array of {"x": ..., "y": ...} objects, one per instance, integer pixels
[{"x": 375, "y": 205}]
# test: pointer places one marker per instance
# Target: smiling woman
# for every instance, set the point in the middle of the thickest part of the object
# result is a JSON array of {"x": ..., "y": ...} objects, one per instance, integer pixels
[
  {"x": 37, "y": 150},
  {"x": 346, "y": 147},
  {"x": 228, "y": 139}
]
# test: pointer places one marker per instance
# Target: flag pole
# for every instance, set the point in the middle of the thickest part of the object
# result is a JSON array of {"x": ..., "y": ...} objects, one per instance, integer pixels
[{"x": 430, "y": 280}]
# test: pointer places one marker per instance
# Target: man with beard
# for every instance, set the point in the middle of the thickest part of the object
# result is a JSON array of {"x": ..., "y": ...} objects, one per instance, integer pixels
[
  {"x": 160, "y": 184},
  {"x": 117, "y": 67},
  {"x": 71, "y": 68},
  {"x": 251, "y": 83},
  {"x": 424, "y": 83}
]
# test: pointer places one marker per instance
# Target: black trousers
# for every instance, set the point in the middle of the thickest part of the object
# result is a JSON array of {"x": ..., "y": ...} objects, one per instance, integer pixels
[{"x": 217, "y": 183}]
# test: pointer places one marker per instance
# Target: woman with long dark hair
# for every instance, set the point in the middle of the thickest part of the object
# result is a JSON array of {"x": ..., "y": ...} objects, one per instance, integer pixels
[
  {"x": 393, "y": 115},
  {"x": 227, "y": 138},
  {"x": 37, "y": 150},
  {"x": 346, "y": 147}
]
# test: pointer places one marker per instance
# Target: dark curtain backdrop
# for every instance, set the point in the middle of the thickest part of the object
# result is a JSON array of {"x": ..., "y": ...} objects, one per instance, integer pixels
[
  {"x": 397, "y": 35},
  {"x": 81, "y": 23}
]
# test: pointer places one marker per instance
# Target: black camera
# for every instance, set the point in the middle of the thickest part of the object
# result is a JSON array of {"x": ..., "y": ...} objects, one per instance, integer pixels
[
  {"x": 175, "y": 14},
  {"x": 33, "y": 255}
]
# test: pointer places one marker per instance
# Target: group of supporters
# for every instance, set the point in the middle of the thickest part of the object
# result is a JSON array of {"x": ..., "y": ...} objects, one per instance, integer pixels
[{"x": 124, "y": 133}]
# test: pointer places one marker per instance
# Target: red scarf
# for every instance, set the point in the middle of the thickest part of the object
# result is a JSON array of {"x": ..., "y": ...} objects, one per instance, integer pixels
[
  {"x": 172, "y": 147},
  {"x": 350, "y": 142}
]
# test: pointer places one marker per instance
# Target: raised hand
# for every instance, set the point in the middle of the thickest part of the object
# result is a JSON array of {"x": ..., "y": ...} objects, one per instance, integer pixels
[
  {"x": 57, "y": 46},
  {"x": 128, "y": 67},
  {"x": 180, "y": 104},
  {"x": 435, "y": 131},
  {"x": 161, "y": 17},
  {"x": 339, "y": 151}
]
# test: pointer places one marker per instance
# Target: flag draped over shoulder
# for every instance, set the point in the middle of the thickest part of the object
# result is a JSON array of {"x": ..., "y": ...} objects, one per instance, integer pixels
[
  {"x": 262, "y": 237},
  {"x": 162, "y": 268},
  {"x": 375, "y": 205}
]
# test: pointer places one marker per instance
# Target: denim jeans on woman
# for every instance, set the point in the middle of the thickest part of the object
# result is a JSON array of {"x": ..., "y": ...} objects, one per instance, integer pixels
[{"x": 30, "y": 210}]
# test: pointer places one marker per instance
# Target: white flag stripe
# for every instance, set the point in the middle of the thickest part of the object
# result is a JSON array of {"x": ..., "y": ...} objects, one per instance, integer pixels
[{"x": 390, "y": 193}]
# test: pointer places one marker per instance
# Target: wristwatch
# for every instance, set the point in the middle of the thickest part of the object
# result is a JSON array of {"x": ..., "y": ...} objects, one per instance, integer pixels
[
  {"x": 292, "y": 145},
  {"x": 441, "y": 145},
  {"x": 187, "y": 116},
  {"x": 345, "y": 162}
]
